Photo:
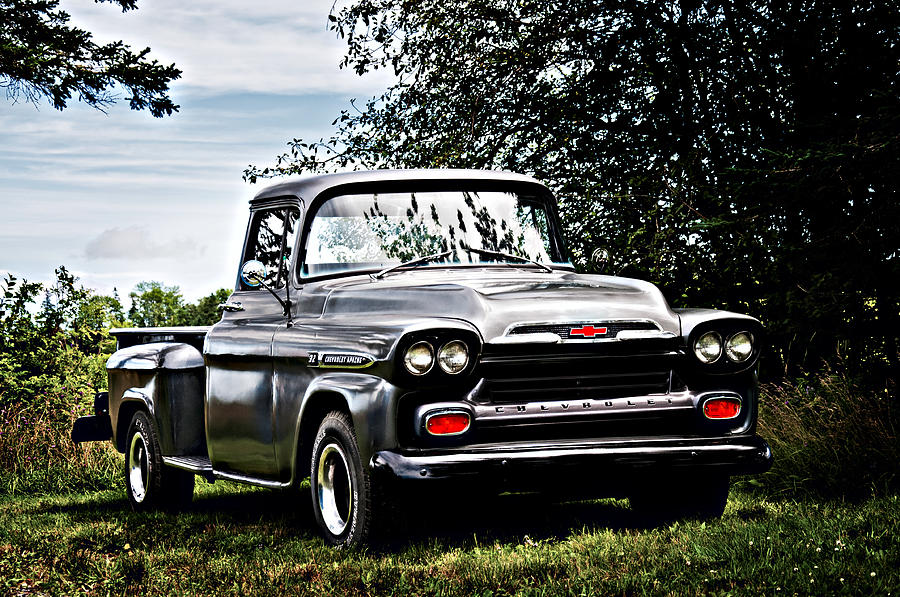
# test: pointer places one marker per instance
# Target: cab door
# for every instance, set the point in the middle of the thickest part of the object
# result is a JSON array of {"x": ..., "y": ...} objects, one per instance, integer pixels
[{"x": 238, "y": 352}]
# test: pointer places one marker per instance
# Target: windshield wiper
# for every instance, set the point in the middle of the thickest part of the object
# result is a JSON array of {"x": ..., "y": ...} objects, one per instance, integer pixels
[
  {"x": 410, "y": 263},
  {"x": 488, "y": 253}
]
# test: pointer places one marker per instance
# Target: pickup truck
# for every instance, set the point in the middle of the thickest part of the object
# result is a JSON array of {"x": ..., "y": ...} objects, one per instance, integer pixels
[{"x": 396, "y": 330}]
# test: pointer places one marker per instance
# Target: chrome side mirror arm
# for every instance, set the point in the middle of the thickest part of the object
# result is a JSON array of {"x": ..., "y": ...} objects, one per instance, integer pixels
[
  {"x": 285, "y": 304},
  {"x": 253, "y": 274}
]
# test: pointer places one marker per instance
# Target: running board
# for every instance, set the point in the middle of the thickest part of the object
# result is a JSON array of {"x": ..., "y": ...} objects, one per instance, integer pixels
[
  {"x": 251, "y": 480},
  {"x": 201, "y": 465},
  {"x": 196, "y": 464}
]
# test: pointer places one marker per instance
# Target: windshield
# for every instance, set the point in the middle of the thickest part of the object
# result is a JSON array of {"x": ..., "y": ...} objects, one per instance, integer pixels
[{"x": 378, "y": 230}]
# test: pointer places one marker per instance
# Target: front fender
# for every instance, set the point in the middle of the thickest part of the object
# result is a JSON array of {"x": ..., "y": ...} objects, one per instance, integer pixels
[
  {"x": 696, "y": 322},
  {"x": 370, "y": 400},
  {"x": 691, "y": 318}
]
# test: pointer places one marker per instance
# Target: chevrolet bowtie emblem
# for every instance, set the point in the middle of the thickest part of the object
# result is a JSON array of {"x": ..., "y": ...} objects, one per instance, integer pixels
[{"x": 588, "y": 331}]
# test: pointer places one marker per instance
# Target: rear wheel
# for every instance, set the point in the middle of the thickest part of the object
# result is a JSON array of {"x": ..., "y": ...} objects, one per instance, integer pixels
[
  {"x": 700, "y": 497},
  {"x": 342, "y": 488},
  {"x": 148, "y": 482}
]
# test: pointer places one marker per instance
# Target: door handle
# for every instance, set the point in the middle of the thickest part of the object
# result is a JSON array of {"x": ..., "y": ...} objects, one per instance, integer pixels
[{"x": 231, "y": 307}]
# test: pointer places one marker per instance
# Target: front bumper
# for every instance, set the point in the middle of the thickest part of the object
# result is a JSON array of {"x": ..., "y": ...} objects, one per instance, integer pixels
[{"x": 617, "y": 460}]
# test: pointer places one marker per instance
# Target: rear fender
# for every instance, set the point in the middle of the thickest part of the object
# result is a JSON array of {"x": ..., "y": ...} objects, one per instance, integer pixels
[{"x": 167, "y": 380}]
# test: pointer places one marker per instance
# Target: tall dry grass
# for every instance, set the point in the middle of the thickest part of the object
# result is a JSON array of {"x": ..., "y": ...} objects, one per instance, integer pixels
[
  {"x": 831, "y": 438},
  {"x": 37, "y": 454}
]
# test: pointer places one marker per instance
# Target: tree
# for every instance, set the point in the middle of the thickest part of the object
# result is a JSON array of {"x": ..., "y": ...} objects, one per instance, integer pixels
[
  {"x": 155, "y": 305},
  {"x": 79, "y": 314},
  {"x": 48, "y": 355},
  {"x": 42, "y": 56},
  {"x": 205, "y": 311},
  {"x": 743, "y": 155}
]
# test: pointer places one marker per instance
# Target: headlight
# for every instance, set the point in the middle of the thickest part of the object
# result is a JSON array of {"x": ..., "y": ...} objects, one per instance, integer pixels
[
  {"x": 739, "y": 347},
  {"x": 419, "y": 358},
  {"x": 708, "y": 347},
  {"x": 453, "y": 357}
]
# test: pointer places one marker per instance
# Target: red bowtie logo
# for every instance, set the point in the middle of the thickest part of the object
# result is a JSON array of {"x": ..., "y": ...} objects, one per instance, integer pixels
[{"x": 587, "y": 331}]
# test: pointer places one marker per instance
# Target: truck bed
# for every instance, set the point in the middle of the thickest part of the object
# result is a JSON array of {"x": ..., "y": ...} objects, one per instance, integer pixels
[{"x": 193, "y": 335}]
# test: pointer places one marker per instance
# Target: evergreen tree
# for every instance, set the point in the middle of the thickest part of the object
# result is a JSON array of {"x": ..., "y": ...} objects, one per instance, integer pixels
[{"x": 43, "y": 56}]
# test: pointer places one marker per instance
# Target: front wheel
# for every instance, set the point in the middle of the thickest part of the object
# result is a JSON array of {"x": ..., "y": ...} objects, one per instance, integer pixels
[
  {"x": 342, "y": 488},
  {"x": 149, "y": 483}
]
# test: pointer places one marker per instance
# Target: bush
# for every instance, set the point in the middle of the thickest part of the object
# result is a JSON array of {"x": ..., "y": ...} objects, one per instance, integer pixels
[
  {"x": 830, "y": 438},
  {"x": 50, "y": 363}
]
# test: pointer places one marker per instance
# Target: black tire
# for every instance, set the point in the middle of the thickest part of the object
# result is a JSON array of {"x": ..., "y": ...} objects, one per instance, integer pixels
[
  {"x": 149, "y": 483},
  {"x": 342, "y": 489},
  {"x": 673, "y": 498}
]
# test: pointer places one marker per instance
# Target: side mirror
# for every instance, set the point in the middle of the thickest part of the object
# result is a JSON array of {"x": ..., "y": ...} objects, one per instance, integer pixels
[
  {"x": 600, "y": 258},
  {"x": 253, "y": 273}
]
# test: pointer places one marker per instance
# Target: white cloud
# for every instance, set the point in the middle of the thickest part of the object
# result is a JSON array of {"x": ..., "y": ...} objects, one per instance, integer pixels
[
  {"x": 279, "y": 46},
  {"x": 108, "y": 194},
  {"x": 134, "y": 242}
]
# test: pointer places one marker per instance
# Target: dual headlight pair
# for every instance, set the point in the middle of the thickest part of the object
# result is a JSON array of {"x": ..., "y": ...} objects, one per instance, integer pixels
[
  {"x": 709, "y": 347},
  {"x": 452, "y": 357}
]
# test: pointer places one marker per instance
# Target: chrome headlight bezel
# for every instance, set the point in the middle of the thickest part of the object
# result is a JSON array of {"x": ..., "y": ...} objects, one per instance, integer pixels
[
  {"x": 441, "y": 358},
  {"x": 698, "y": 350},
  {"x": 408, "y": 357},
  {"x": 729, "y": 347}
]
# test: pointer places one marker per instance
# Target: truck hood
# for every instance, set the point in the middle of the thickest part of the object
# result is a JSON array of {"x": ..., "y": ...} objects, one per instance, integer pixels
[{"x": 493, "y": 300}]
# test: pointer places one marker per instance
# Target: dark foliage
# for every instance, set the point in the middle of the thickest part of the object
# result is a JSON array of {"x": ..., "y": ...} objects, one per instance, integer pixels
[
  {"x": 43, "y": 56},
  {"x": 741, "y": 155}
]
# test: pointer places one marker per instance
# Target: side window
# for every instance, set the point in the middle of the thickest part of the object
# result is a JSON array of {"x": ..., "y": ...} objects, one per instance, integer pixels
[{"x": 272, "y": 236}]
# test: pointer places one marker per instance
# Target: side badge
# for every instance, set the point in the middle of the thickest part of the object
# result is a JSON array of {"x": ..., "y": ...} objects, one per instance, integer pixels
[{"x": 339, "y": 360}]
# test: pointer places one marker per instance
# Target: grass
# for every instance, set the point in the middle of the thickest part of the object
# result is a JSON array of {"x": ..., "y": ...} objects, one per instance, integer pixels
[
  {"x": 825, "y": 520},
  {"x": 237, "y": 540},
  {"x": 830, "y": 438},
  {"x": 37, "y": 453}
]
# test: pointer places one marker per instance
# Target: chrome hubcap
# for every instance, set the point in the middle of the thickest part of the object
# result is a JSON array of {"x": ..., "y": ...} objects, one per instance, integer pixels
[
  {"x": 138, "y": 467},
  {"x": 334, "y": 488}
]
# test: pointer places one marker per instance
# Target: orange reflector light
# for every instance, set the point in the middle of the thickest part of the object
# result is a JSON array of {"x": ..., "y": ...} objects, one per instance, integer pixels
[
  {"x": 722, "y": 408},
  {"x": 447, "y": 423}
]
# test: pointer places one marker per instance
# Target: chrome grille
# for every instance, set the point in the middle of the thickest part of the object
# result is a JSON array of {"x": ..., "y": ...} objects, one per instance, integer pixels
[
  {"x": 607, "y": 371},
  {"x": 586, "y": 330}
]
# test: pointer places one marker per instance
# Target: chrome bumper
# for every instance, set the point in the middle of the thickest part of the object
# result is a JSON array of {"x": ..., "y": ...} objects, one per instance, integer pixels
[{"x": 621, "y": 459}]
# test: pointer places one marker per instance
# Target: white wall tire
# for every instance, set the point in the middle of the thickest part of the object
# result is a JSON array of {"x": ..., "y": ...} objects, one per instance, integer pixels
[
  {"x": 342, "y": 488},
  {"x": 150, "y": 484},
  {"x": 138, "y": 467}
]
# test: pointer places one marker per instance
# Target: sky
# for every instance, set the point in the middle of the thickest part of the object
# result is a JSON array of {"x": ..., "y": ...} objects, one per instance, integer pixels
[{"x": 123, "y": 197}]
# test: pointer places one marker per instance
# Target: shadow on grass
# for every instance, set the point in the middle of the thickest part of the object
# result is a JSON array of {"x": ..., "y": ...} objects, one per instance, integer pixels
[
  {"x": 452, "y": 521},
  {"x": 236, "y": 503}
]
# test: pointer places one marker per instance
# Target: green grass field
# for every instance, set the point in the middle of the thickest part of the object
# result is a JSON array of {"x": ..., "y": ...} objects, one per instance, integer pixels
[{"x": 237, "y": 540}]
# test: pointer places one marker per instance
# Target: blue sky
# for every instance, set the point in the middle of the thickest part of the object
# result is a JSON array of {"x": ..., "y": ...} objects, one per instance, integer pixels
[{"x": 123, "y": 197}]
